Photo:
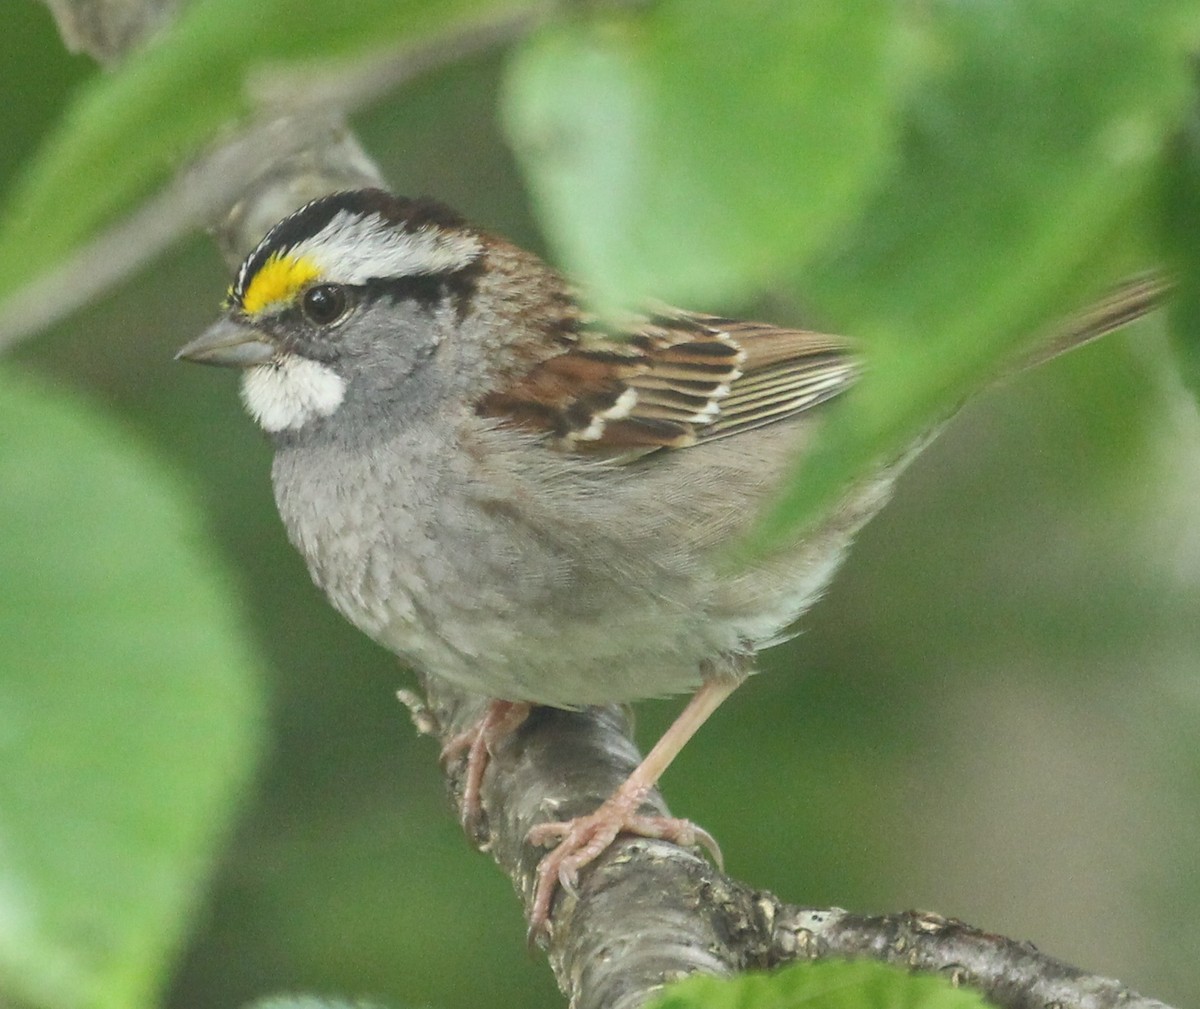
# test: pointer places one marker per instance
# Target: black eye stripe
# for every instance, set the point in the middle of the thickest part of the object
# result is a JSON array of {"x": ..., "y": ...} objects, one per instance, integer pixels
[
  {"x": 430, "y": 289},
  {"x": 427, "y": 290}
]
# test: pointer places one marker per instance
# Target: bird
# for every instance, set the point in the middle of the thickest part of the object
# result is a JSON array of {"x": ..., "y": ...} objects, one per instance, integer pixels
[{"x": 528, "y": 500}]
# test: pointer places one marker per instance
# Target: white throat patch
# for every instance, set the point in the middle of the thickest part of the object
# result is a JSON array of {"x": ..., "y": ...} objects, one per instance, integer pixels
[{"x": 286, "y": 394}]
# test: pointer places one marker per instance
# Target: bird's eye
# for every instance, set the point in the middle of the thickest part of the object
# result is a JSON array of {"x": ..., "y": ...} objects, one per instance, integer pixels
[{"x": 324, "y": 304}]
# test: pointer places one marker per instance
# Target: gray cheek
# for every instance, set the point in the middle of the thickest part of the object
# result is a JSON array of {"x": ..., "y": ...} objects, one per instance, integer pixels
[{"x": 388, "y": 357}]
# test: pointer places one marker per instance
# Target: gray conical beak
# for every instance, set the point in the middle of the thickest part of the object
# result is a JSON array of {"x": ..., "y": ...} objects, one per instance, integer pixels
[{"x": 229, "y": 344}]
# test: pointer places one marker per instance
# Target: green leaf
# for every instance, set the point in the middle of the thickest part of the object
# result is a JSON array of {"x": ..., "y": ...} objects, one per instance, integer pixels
[
  {"x": 309, "y": 1002},
  {"x": 1181, "y": 233},
  {"x": 691, "y": 150},
  {"x": 1029, "y": 164},
  {"x": 831, "y": 984},
  {"x": 128, "y": 132},
  {"x": 129, "y": 709}
]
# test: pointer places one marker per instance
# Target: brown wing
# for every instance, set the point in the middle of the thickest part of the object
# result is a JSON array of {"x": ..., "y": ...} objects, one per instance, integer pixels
[
  {"x": 673, "y": 380},
  {"x": 786, "y": 371}
]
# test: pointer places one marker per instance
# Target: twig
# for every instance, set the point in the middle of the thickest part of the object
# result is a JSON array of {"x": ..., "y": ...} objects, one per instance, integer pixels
[
  {"x": 108, "y": 29},
  {"x": 249, "y": 180},
  {"x": 247, "y": 184},
  {"x": 648, "y": 912}
]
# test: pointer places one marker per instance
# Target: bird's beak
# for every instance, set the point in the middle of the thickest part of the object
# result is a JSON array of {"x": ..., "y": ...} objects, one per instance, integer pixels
[{"x": 229, "y": 344}]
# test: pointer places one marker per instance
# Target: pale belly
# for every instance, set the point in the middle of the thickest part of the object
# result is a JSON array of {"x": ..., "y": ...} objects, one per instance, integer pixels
[{"x": 610, "y": 592}]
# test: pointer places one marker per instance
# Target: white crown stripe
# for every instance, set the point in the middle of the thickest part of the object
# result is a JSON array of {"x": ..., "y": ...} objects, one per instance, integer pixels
[{"x": 352, "y": 249}]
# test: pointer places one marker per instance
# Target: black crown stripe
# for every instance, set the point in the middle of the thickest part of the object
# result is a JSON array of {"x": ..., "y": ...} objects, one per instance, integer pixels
[{"x": 401, "y": 212}]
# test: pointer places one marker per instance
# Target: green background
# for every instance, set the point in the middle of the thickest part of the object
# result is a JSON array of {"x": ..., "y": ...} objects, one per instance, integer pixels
[{"x": 993, "y": 714}]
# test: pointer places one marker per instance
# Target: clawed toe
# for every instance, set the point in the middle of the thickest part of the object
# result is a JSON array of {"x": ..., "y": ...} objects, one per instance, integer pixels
[
  {"x": 474, "y": 744},
  {"x": 479, "y": 741},
  {"x": 584, "y": 839}
]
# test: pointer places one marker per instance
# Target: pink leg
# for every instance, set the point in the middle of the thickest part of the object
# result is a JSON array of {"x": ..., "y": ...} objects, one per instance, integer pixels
[
  {"x": 585, "y": 838},
  {"x": 479, "y": 742}
]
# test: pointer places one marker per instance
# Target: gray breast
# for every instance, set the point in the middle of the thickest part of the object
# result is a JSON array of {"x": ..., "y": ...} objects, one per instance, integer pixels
[{"x": 517, "y": 572}]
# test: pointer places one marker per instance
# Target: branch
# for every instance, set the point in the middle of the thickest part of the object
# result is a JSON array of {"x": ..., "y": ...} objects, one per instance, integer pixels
[
  {"x": 648, "y": 912},
  {"x": 108, "y": 29},
  {"x": 246, "y": 185},
  {"x": 248, "y": 181}
]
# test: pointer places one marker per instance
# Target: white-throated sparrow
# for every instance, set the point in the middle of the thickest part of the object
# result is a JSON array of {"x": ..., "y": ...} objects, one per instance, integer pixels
[{"x": 517, "y": 498}]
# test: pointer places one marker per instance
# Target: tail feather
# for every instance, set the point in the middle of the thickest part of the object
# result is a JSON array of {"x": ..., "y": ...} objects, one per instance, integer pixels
[{"x": 1127, "y": 302}]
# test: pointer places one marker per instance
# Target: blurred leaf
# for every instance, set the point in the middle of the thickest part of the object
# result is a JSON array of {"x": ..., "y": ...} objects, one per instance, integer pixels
[
  {"x": 128, "y": 708},
  {"x": 1029, "y": 162},
  {"x": 831, "y": 984},
  {"x": 309, "y": 1002},
  {"x": 127, "y": 132},
  {"x": 33, "y": 54},
  {"x": 1181, "y": 231},
  {"x": 692, "y": 150}
]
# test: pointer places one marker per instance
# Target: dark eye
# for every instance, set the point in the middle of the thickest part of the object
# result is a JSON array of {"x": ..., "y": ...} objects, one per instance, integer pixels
[{"x": 324, "y": 304}]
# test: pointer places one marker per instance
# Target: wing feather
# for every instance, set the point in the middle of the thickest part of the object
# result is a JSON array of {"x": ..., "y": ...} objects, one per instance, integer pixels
[{"x": 672, "y": 379}]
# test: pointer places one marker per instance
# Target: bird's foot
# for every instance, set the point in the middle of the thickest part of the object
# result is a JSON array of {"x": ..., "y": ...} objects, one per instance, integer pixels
[
  {"x": 479, "y": 741},
  {"x": 585, "y": 838}
]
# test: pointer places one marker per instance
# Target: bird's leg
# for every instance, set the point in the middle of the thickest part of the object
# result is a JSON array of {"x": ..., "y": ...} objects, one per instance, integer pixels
[
  {"x": 581, "y": 840},
  {"x": 479, "y": 741}
]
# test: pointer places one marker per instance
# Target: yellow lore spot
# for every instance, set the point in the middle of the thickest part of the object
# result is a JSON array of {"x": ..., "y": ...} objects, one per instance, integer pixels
[{"x": 279, "y": 278}]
